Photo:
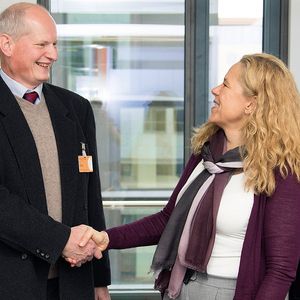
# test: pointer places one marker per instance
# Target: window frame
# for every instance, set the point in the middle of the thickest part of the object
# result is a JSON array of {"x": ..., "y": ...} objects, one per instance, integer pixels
[{"x": 275, "y": 41}]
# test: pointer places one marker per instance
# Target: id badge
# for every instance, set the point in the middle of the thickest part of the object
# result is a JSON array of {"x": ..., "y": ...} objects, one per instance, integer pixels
[{"x": 85, "y": 164}]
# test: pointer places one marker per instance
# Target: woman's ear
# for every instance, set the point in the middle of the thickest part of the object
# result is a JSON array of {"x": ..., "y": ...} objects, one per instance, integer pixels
[
  {"x": 6, "y": 44},
  {"x": 251, "y": 105}
]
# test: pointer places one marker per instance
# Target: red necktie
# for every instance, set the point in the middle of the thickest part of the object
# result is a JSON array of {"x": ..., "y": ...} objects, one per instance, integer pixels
[{"x": 31, "y": 97}]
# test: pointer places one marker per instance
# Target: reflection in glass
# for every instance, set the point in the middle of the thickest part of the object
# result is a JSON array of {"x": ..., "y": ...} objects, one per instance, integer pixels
[
  {"x": 131, "y": 266},
  {"x": 127, "y": 58}
]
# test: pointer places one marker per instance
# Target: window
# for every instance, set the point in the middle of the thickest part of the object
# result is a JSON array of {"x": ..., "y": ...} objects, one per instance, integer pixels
[
  {"x": 233, "y": 32},
  {"x": 147, "y": 68},
  {"x": 127, "y": 58},
  {"x": 155, "y": 120}
]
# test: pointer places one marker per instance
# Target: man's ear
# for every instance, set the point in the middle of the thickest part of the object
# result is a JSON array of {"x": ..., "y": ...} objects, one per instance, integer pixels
[
  {"x": 6, "y": 44},
  {"x": 251, "y": 105}
]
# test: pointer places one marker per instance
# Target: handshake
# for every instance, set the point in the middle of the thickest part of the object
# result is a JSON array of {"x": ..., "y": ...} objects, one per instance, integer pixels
[{"x": 84, "y": 243}]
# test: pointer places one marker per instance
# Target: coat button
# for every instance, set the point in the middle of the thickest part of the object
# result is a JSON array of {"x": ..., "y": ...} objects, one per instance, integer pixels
[
  {"x": 47, "y": 256},
  {"x": 38, "y": 251},
  {"x": 24, "y": 256}
]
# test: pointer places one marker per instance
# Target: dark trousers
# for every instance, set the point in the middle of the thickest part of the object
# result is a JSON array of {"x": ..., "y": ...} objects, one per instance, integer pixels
[
  {"x": 294, "y": 293},
  {"x": 53, "y": 289}
]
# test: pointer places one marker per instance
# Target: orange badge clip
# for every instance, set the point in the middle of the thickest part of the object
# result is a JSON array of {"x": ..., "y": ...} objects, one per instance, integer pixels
[{"x": 85, "y": 162}]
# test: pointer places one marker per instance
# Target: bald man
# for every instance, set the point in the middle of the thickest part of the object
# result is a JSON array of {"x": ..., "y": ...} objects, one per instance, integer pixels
[{"x": 49, "y": 178}]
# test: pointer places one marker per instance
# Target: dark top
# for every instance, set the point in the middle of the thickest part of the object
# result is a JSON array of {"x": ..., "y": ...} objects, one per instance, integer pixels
[{"x": 29, "y": 239}]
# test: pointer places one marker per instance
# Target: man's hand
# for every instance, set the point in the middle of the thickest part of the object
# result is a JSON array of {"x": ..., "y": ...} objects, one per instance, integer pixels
[
  {"x": 101, "y": 293},
  {"x": 76, "y": 254}
]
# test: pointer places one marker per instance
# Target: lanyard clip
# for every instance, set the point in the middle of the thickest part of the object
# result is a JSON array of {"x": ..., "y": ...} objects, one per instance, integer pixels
[{"x": 83, "y": 150}]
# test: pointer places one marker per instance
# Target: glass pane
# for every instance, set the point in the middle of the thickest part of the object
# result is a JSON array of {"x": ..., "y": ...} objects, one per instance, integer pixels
[
  {"x": 236, "y": 28},
  {"x": 131, "y": 266},
  {"x": 127, "y": 58}
]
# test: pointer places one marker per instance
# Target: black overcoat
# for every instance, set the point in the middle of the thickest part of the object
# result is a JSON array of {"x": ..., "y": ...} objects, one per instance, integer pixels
[{"x": 29, "y": 239}]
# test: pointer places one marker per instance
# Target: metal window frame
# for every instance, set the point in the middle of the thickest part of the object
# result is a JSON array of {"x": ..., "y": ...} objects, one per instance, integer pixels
[
  {"x": 196, "y": 67},
  {"x": 276, "y": 28}
]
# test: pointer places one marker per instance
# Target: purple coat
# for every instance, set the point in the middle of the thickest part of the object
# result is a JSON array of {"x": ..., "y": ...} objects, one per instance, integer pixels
[{"x": 271, "y": 249}]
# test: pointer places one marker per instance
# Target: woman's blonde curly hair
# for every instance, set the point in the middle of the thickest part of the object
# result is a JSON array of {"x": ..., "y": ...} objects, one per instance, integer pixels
[{"x": 272, "y": 132}]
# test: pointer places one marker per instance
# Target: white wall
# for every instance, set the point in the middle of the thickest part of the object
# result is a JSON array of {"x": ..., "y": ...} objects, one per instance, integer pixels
[
  {"x": 294, "y": 41},
  {"x": 5, "y": 3}
]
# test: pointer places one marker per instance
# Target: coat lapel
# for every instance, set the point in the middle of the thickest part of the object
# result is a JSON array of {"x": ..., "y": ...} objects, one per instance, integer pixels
[
  {"x": 65, "y": 131},
  {"x": 23, "y": 147}
]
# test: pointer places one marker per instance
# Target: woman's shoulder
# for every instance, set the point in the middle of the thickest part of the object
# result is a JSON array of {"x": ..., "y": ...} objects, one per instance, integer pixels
[
  {"x": 288, "y": 182},
  {"x": 193, "y": 161}
]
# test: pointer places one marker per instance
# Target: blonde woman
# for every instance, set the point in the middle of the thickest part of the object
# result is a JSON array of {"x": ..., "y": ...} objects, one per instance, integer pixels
[{"x": 231, "y": 229}]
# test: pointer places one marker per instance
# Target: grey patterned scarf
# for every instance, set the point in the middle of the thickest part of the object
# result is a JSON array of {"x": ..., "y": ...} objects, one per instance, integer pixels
[{"x": 188, "y": 238}]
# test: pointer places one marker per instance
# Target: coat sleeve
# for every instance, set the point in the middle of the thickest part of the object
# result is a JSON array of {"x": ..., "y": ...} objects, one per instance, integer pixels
[
  {"x": 281, "y": 239},
  {"x": 147, "y": 231},
  {"x": 24, "y": 228},
  {"x": 101, "y": 267}
]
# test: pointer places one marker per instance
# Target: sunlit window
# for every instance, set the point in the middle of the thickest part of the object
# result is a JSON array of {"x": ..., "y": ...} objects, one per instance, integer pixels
[
  {"x": 235, "y": 30},
  {"x": 127, "y": 58}
]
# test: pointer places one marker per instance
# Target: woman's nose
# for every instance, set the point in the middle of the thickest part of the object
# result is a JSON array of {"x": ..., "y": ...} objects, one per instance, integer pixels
[{"x": 215, "y": 90}]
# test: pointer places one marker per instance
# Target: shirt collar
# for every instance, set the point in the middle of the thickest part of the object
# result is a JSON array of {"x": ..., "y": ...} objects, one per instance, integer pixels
[{"x": 17, "y": 88}]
